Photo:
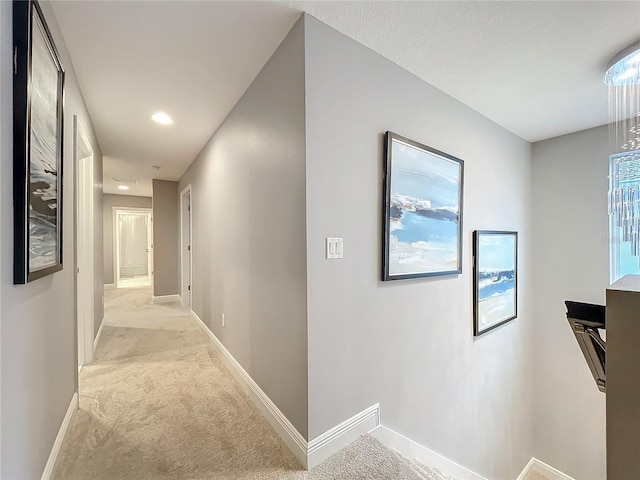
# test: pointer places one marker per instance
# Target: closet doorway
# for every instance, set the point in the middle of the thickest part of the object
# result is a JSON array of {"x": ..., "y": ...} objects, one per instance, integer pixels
[{"x": 133, "y": 241}]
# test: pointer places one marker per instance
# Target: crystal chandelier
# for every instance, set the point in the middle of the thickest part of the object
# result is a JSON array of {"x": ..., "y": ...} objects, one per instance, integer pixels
[
  {"x": 623, "y": 78},
  {"x": 624, "y": 197}
]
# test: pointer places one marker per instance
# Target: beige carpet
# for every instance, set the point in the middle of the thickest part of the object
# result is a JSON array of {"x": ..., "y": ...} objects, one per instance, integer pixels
[
  {"x": 159, "y": 403},
  {"x": 536, "y": 476},
  {"x": 368, "y": 459}
]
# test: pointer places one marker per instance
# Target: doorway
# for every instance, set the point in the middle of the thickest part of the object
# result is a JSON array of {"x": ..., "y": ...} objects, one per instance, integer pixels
[
  {"x": 133, "y": 260},
  {"x": 83, "y": 159},
  {"x": 185, "y": 245}
]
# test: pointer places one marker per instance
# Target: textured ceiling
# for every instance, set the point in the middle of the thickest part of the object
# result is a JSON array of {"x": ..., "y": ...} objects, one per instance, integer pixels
[{"x": 534, "y": 68}]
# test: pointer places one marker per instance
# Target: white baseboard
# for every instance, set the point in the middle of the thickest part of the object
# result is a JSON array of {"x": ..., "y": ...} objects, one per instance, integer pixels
[
  {"x": 109, "y": 286},
  {"x": 49, "y": 468},
  {"x": 410, "y": 449},
  {"x": 323, "y": 446},
  {"x": 98, "y": 335},
  {"x": 544, "y": 469},
  {"x": 330, "y": 442},
  {"x": 291, "y": 437},
  {"x": 310, "y": 453},
  {"x": 167, "y": 299}
]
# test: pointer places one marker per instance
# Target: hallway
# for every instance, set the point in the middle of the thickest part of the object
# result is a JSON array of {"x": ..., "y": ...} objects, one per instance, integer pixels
[{"x": 159, "y": 403}]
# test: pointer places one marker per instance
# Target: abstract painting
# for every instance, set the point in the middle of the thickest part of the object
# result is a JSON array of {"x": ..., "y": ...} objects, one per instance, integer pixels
[
  {"x": 495, "y": 289},
  {"x": 422, "y": 233},
  {"x": 38, "y": 105}
]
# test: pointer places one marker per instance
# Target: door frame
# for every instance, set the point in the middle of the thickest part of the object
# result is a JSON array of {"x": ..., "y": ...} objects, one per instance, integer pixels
[
  {"x": 186, "y": 248},
  {"x": 116, "y": 241},
  {"x": 83, "y": 160}
]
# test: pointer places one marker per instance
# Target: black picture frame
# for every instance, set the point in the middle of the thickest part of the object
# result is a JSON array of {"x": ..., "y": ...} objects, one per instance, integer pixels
[
  {"x": 422, "y": 210},
  {"x": 38, "y": 122},
  {"x": 495, "y": 279}
]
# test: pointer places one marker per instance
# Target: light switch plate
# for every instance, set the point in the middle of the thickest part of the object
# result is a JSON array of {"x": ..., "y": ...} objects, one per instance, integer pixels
[{"x": 335, "y": 247}]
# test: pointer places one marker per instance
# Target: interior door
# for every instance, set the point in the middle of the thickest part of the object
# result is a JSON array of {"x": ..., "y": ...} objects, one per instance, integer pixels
[
  {"x": 185, "y": 247},
  {"x": 189, "y": 246},
  {"x": 133, "y": 249},
  {"x": 83, "y": 157}
]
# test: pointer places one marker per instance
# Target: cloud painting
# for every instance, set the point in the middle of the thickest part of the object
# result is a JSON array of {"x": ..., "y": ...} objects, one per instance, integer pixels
[{"x": 424, "y": 212}]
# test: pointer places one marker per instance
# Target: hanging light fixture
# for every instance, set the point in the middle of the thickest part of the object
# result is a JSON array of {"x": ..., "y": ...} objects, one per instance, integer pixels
[
  {"x": 623, "y": 78},
  {"x": 624, "y": 68},
  {"x": 624, "y": 197}
]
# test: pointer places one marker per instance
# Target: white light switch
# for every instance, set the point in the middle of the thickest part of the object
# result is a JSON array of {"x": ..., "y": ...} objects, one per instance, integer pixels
[{"x": 335, "y": 248}]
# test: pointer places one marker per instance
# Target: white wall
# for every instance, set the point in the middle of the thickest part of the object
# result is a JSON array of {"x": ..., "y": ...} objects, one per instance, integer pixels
[
  {"x": 571, "y": 263},
  {"x": 409, "y": 344},
  {"x": 248, "y": 214},
  {"x": 38, "y": 347}
]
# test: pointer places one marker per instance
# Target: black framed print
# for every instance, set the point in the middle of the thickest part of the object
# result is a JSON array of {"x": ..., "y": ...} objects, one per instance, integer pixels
[
  {"x": 38, "y": 98},
  {"x": 422, "y": 222},
  {"x": 495, "y": 279}
]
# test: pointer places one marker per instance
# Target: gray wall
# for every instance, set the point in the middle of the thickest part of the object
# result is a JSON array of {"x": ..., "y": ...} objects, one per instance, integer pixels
[
  {"x": 623, "y": 384},
  {"x": 248, "y": 211},
  {"x": 38, "y": 347},
  {"x": 571, "y": 263},
  {"x": 111, "y": 201},
  {"x": 166, "y": 235},
  {"x": 409, "y": 344}
]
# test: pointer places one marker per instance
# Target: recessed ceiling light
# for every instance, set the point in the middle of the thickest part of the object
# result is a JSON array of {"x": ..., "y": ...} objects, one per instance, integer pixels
[
  {"x": 123, "y": 187},
  {"x": 624, "y": 68},
  {"x": 162, "y": 118}
]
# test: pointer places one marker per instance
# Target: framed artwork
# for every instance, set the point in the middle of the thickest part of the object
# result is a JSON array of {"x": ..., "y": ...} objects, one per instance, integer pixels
[
  {"x": 38, "y": 86},
  {"x": 422, "y": 234},
  {"x": 495, "y": 279}
]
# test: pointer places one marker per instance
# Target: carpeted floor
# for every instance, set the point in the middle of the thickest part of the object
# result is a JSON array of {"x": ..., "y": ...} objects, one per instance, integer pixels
[
  {"x": 536, "y": 476},
  {"x": 159, "y": 403},
  {"x": 368, "y": 459}
]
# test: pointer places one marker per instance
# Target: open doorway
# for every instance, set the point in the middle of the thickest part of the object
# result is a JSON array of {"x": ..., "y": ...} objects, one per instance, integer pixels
[
  {"x": 83, "y": 159},
  {"x": 133, "y": 240},
  {"x": 185, "y": 245}
]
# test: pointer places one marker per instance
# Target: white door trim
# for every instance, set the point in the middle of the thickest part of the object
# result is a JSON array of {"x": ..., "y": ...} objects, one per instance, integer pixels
[
  {"x": 84, "y": 227},
  {"x": 116, "y": 243},
  {"x": 186, "y": 259}
]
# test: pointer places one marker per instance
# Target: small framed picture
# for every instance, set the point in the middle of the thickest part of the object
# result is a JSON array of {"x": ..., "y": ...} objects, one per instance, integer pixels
[
  {"x": 422, "y": 234},
  {"x": 495, "y": 279}
]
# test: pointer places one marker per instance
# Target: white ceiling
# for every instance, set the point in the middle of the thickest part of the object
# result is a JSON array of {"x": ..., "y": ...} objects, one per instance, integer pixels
[{"x": 534, "y": 68}]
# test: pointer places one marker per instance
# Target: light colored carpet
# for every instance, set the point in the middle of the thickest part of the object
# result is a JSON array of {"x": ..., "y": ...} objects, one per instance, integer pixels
[
  {"x": 536, "y": 476},
  {"x": 368, "y": 459},
  {"x": 159, "y": 403}
]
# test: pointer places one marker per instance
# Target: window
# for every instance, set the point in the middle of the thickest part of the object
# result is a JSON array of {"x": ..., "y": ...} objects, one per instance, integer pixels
[{"x": 624, "y": 214}]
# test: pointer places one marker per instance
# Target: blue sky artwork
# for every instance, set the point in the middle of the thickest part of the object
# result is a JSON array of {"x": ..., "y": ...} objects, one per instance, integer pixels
[
  {"x": 424, "y": 211},
  {"x": 497, "y": 252},
  {"x": 496, "y": 257}
]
